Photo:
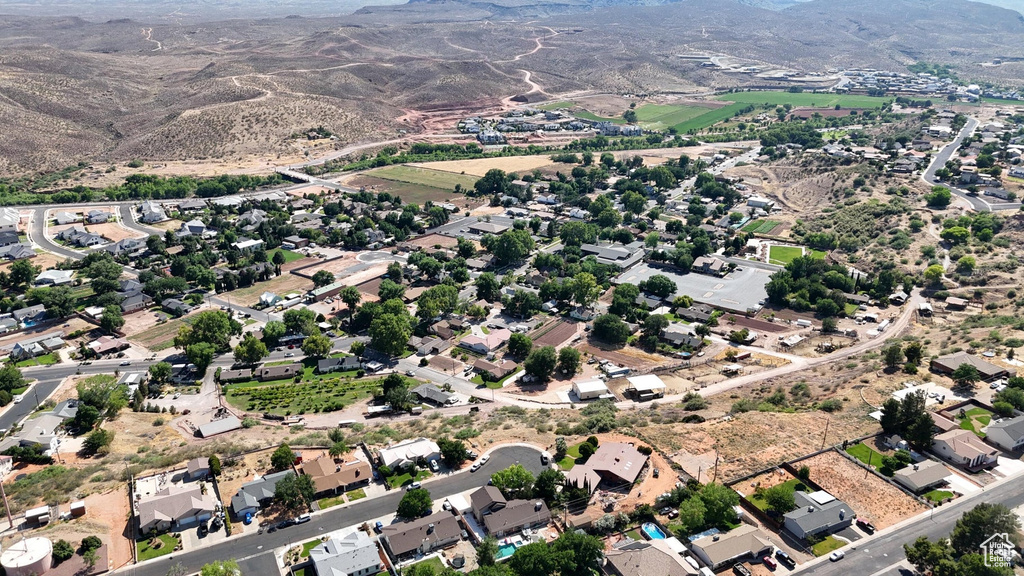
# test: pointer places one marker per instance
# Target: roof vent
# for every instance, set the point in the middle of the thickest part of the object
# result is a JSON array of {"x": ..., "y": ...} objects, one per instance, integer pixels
[
  {"x": 538, "y": 505},
  {"x": 810, "y": 508},
  {"x": 715, "y": 538},
  {"x": 430, "y": 529},
  {"x": 842, "y": 514},
  {"x": 917, "y": 466}
]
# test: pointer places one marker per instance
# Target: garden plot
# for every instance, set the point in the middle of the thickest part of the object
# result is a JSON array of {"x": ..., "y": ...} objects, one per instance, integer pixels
[
  {"x": 870, "y": 497},
  {"x": 314, "y": 394}
]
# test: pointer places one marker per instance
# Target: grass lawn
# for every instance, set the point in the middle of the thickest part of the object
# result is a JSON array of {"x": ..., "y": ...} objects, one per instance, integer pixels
[
  {"x": 424, "y": 177},
  {"x": 479, "y": 380},
  {"x": 864, "y": 453},
  {"x": 289, "y": 256},
  {"x": 307, "y": 546},
  {"x": 977, "y": 418},
  {"x": 305, "y": 571},
  {"x": 827, "y": 545},
  {"x": 357, "y": 494},
  {"x": 434, "y": 563},
  {"x": 330, "y": 502},
  {"x": 784, "y": 254},
  {"x": 402, "y": 479},
  {"x": 662, "y": 117},
  {"x": 793, "y": 485},
  {"x": 805, "y": 99},
  {"x": 851, "y": 309},
  {"x": 635, "y": 535},
  {"x": 710, "y": 118},
  {"x": 572, "y": 457},
  {"x": 761, "y": 226},
  {"x": 555, "y": 106},
  {"x": 567, "y": 463},
  {"x": 44, "y": 360},
  {"x": 591, "y": 116},
  {"x": 147, "y": 553},
  {"x": 816, "y": 254},
  {"x": 938, "y": 496}
]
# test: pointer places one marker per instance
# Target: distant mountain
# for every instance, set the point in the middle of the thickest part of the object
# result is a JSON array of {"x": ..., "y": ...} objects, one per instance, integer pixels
[{"x": 1015, "y": 5}]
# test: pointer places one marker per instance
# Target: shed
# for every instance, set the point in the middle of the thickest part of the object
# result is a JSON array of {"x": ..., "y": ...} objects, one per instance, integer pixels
[
  {"x": 219, "y": 427},
  {"x": 590, "y": 389}
]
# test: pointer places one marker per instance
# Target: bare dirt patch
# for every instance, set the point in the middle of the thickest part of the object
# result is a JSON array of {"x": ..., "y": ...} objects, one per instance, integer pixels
[
  {"x": 556, "y": 335},
  {"x": 870, "y": 497},
  {"x": 44, "y": 260},
  {"x": 434, "y": 240},
  {"x": 112, "y": 509},
  {"x": 282, "y": 284},
  {"x": 113, "y": 231}
]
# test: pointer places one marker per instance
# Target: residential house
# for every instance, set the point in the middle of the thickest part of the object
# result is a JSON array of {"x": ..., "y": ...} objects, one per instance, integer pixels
[
  {"x": 135, "y": 303},
  {"x": 497, "y": 370},
  {"x": 435, "y": 346},
  {"x": 151, "y": 212},
  {"x": 64, "y": 218},
  {"x": 30, "y": 315},
  {"x": 191, "y": 205},
  {"x": 434, "y": 395},
  {"x": 921, "y": 477},
  {"x": 235, "y": 375},
  {"x": 760, "y": 202},
  {"x": 375, "y": 236},
  {"x": 246, "y": 244},
  {"x": 409, "y": 452},
  {"x": 346, "y": 364},
  {"x": 442, "y": 330},
  {"x": 79, "y": 237},
  {"x": 487, "y": 343},
  {"x": 331, "y": 477},
  {"x": 817, "y": 514},
  {"x": 54, "y": 277},
  {"x": 1007, "y": 433},
  {"x": 125, "y": 246},
  {"x": 720, "y": 550},
  {"x": 583, "y": 314},
  {"x": 352, "y": 555},
  {"x": 9, "y": 238},
  {"x": 487, "y": 228},
  {"x": 651, "y": 558},
  {"x": 505, "y": 517},
  {"x": 98, "y": 217},
  {"x": 278, "y": 372},
  {"x": 682, "y": 336},
  {"x": 17, "y": 252},
  {"x": 482, "y": 262},
  {"x": 949, "y": 363},
  {"x": 176, "y": 307},
  {"x": 253, "y": 495},
  {"x": 107, "y": 345},
  {"x": 252, "y": 219},
  {"x": 192, "y": 228},
  {"x": 176, "y": 508},
  {"x": 296, "y": 241},
  {"x": 965, "y": 449},
  {"x": 37, "y": 346},
  {"x": 197, "y": 468},
  {"x": 708, "y": 265},
  {"x": 9, "y": 220},
  {"x": 421, "y": 536},
  {"x": 617, "y": 463},
  {"x": 621, "y": 256},
  {"x": 696, "y": 313},
  {"x": 269, "y": 299}
]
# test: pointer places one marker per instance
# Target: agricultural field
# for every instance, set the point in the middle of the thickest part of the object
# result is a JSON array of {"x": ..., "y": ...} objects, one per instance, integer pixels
[
  {"x": 762, "y": 226},
  {"x": 805, "y": 99},
  {"x": 555, "y": 106},
  {"x": 479, "y": 166},
  {"x": 664, "y": 116},
  {"x": 423, "y": 177},
  {"x": 315, "y": 393}
]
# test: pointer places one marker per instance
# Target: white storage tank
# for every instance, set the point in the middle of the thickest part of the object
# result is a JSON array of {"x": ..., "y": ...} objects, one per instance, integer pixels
[{"x": 31, "y": 556}]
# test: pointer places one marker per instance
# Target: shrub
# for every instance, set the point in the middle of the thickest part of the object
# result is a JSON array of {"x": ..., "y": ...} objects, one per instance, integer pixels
[
  {"x": 804, "y": 473},
  {"x": 158, "y": 422},
  {"x": 693, "y": 402},
  {"x": 830, "y": 405},
  {"x": 645, "y": 450},
  {"x": 62, "y": 550},
  {"x": 743, "y": 405},
  {"x": 91, "y": 543}
]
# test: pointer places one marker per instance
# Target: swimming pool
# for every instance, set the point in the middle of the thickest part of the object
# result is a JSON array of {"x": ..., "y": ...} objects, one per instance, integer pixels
[
  {"x": 652, "y": 531},
  {"x": 505, "y": 550}
]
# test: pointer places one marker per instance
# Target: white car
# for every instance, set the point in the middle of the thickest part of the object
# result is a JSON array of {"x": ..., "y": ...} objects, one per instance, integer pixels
[
  {"x": 474, "y": 467},
  {"x": 177, "y": 395},
  {"x": 434, "y": 467},
  {"x": 484, "y": 459},
  {"x": 126, "y": 363},
  {"x": 410, "y": 372},
  {"x": 837, "y": 556}
]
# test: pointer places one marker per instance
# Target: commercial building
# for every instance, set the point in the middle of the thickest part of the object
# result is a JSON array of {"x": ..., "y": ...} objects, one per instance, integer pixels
[{"x": 591, "y": 389}]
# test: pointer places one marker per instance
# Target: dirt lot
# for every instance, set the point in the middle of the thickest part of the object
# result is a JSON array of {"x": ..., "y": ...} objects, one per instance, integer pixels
[
  {"x": 113, "y": 231},
  {"x": 766, "y": 480},
  {"x": 45, "y": 260},
  {"x": 282, "y": 284},
  {"x": 434, "y": 240},
  {"x": 144, "y": 329},
  {"x": 171, "y": 224},
  {"x": 624, "y": 356},
  {"x": 409, "y": 193},
  {"x": 556, "y": 335},
  {"x": 370, "y": 289},
  {"x": 112, "y": 510},
  {"x": 870, "y": 497}
]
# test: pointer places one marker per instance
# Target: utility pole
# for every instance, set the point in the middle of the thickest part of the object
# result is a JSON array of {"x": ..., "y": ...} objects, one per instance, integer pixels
[
  {"x": 716, "y": 465},
  {"x": 7, "y": 507},
  {"x": 825, "y": 435}
]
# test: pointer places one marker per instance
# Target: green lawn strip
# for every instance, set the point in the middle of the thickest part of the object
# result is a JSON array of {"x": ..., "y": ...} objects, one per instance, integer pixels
[
  {"x": 433, "y": 562},
  {"x": 357, "y": 494},
  {"x": 556, "y": 106},
  {"x": 289, "y": 256},
  {"x": 851, "y": 309},
  {"x": 423, "y": 177},
  {"x": 827, "y": 545},
  {"x": 805, "y": 99},
  {"x": 307, "y": 546},
  {"x": 937, "y": 496},
  {"x": 865, "y": 453},
  {"x": 400, "y": 480},
  {"x": 784, "y": 254},
  {"x": 44, "y": 360},
  {"x": 479, "y": 380},
  {"x": 816, "y": 254},
  {"x": 147, "y": 553},
  {"x": 635, "y": 535},
  {"x": 792, "y": 485},
  {"x": 567, "y": 463},
  {"x": 305, "y": 571},
  {"x": 330, "y": 502}
]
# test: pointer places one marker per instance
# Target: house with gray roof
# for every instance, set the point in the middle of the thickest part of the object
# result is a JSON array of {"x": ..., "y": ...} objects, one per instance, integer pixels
[
  {"x": 54, "y": 277},
  {"x": 98, "y": 217},
  {"x": 502, "y": 517},
  {"x": 253, "y": 495},
  {"x": 719, "y": 550},
  {"x": 920, "y": 477},
  {"x": 136, "y": 302},
  {"x": 17, "y": 252},
  {"x": 151, "y": 212},
  {"x": 79, "y": 237},
  {"x": 176, "y": 307},
  {"x": 622, "y": 256},
  {"x": 176, "y": 507},
  {"x": 63, "y": 217},
  {"x": 818, "y": 513},
  {"x": 434, "y": 395},
  {"x": 125, "y": 246},
  {"x": 30, "y": 314},
  {"x": 219, "y": 427},
  {"x": 422, "y": 535},
  {"x": 1007, "y": 433},
  {"x": 353, "y": 555}
]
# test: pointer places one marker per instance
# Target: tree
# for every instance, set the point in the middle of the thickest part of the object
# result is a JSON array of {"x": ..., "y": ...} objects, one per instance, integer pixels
[
  {"x": 547, "y": 483},
  {"x": 561, "y": 448},
  {"x": 720, "y": 502},
  {"x": 584, "y": 552},
  {"x": 323, "y": 278},
  {"x": 415, "y": 503},
  {"x": 22, "y": 272},
  {"x": 829, "y": 325},
  {"x": 295, "y": 492},
  {"x": 299, "y": 320},
  {"x": 659, "y": 285},
  {"x": 633, "y": 202},
  {"x": 515, "y": 482},
  {"x": 453, "y": 452},
  {"x": 956, "y": 235},
  {"x": 488, "y": 287},
  {"x": 629, "y": 116},
  {"x": 351, "y": 296},
  {"x": 104, "y": 394},
  {"x": 58, "y": 301},
  {"x": 575, "y": 233},
  {"x": 495, "y": 181},
  {"x": 273, "y": 331},
  {"x": 779, "y": 499},
  {"x": 924, "y": 555},
  {"x": 435, "y": 301},
  {"x": 160, "y": 372},
  {"x": 691, "y": 515},
  {"x": 568, "y": 360},
  {"x": 890, "y": 419},
  {"x": 214, "y": 465},
  {"x": 389, "y": 290},
  {"x": 966, "y": 375},
  {"x": 282, "y": 458},
  {"x": 317, "y": 346},
  {"x": 212, "y": 327},
  {"x": 584, "y": 289},
  {"x": 86, "y": 418},
  {"x": 201, "y": 354},
  {"x": 892, "y": 355},
  {"x": 279, "y": 259},
  {"x": 541, "y": 363},
  {"x": 97, "y": 440},
  {"x": 221, "y": 567},
  {"x": 62, "y": 550},
  {"x": 610, "y": 328},
  {"x": 111, "y": 319},
  {"x": 981, "y": 522},
  {"x": 914, "y": 351},
  {"x": 933, "y": 274},
  {"x": 389, "y": 333},
  {"x": 519, "y": 345},
  {"x": 921, "y": 431},
  {"x": 511, "y": 246},
  {"x": 624, "y": 300},
  {"x": 250, "y": 350},
  {"x": 965, "y": 265},
  {"x": 939, "y": 197},
  {"x": 487, "y": 551}
]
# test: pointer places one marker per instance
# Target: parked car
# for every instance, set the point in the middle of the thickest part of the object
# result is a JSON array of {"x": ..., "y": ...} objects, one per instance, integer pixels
[
  {"x": 289, "y": 355},
  {"x": 215, "y": 524},
  {"x": 378, "y": 527},
  {"x": 657, "y": 473},
  {"x": 434, "y": 467},
  {"x": 413, "y": 486},
  {"x": 837, "y": 556},
  {"x": 785, "y": 559},
  {"x": 126, "y": 363},
  {"x": 485, "y": 458},
  {"x": 176, "y": 395},
  {"x": 474, "y": 467},
  {"x": 203, "y": 530},
  {"x": 544, "y": 458},
  {"x": 410, "y": 372},
  {"x": 302, "y": 519},
  {"x": 865, "y": 526},
  {"x": 769, "y": 562}
]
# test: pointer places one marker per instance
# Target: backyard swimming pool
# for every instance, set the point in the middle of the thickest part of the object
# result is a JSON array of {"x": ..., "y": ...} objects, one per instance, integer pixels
[
  {"x": 652, "y": 531},
  {"x": 506, "y": 550}
]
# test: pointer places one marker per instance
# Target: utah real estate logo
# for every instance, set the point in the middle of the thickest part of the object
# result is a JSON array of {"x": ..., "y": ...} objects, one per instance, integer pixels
[{"x": 998, "y": 551}]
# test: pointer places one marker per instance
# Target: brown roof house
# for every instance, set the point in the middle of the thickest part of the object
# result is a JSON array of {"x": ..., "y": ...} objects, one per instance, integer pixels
[
  {"x": 739, "y": 544},
  {"x": 653, "y": 558},
  {"x": 949, "y": 363},
  {"x": 422, "y": 535},
  {"x": 278, "y": 372},
  {"x": 503, "y": 517},
  {"x": 963, "y": 448},
  {"x": 175, "y": 507},
  {"x": 497, "y": 370},
  {"x": 330, "y": 477},
  {"x": 613, "y": 462}
]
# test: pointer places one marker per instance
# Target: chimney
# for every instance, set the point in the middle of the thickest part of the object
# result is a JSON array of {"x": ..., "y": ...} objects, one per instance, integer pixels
[
  {"x": 537, "y": 506},
  {"x": 842, "y": 514},
  {"x": 810, "y": 508}
]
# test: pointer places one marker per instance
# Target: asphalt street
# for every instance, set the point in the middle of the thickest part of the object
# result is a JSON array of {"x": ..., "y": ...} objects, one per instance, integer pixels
[
  {"x": 255, "y": 551},
  {"x": 886, "y": 549},
  {"x": 939, "y": 161}
]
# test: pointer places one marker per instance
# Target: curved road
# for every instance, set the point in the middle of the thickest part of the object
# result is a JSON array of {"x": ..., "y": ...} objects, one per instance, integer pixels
[{"x": 939, "y": 161}]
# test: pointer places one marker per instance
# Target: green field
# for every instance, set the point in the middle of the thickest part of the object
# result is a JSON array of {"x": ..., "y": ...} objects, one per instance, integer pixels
[
  {"x": 826, "y": 546},
  {"x": 315, "y": 393},
  {"x": 805, "y": 99},
  {"x": 555, "y": 106},
  {"x": 710, "y": 118},
  {"x": 307, "y": 546},
  {"x": 977, "y": 418},
  {"x": 662, "y": 117},
  {"x": 423, "y": 177},
  {"x": 289, "y": 256},
  {"x": 762, "y": 226},
  {"x": 591, "y": 116},
  {"x": 783, "y": 255},
  {"x": 147, "y": 553},
  {"x": 865, "y": 454},
  {"x": 434, "y": 563},
  {"x": 44, "y": 360}
]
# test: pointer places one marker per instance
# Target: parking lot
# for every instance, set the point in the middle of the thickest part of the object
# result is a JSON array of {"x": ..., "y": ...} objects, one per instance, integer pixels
[{"x": 739, "y": 291}]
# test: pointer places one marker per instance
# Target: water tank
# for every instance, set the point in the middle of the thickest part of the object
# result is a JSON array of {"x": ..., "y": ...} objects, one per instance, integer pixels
[{"x": 28, "y": 557}]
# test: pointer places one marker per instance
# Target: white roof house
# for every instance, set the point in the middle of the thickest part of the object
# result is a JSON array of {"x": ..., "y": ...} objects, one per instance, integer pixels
[
  {"x": 9, "y": 219},
  {"x": 54, "y": 277},
  {"x": 248, "y": 244},
  {"x": 269, "y": 298},
  {"x": 409, "y": 451},
  {"x": 353, "y": 555}
]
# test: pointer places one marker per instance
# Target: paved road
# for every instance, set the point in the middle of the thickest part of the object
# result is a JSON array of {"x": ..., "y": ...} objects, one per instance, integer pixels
[
  {"x": 256, "y": 550},
  {"x": 939, "y": 161},
  {"x": 886, "y": 548}
]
